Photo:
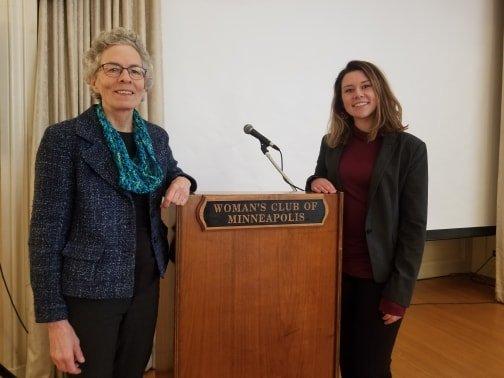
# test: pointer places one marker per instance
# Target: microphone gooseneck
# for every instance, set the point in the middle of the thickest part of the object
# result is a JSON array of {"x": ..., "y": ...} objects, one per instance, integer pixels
[{"x": 265, "y": 143}]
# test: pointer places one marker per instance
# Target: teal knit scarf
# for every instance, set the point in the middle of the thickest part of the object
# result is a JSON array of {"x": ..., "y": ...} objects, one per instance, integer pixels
[{"x": 142, "y": 174}]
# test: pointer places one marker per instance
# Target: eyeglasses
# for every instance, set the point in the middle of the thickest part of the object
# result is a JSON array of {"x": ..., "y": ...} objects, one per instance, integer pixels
[{"x": 115, "y": 70}]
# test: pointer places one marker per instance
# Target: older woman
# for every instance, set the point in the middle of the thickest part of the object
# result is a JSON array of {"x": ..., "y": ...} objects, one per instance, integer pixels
[
  {"x": 383, "y": 172},
  {"x": 97, "y": 242}
]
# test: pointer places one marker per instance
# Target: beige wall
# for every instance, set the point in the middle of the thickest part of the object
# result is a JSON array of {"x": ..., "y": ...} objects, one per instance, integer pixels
[
  {"x": 482, "y": 249},
  {"x": 443, "y": 257}
]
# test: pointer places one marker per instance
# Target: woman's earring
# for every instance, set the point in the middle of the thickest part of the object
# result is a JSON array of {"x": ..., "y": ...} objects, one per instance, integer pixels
[{"x": 343, "y": 115}]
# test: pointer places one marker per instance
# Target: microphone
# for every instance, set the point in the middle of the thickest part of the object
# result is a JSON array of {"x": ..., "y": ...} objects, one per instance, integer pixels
[{"x": 249, "y": 129}]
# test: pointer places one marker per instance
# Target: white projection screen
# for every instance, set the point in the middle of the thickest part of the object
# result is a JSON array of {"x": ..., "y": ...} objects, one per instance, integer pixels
[{"x": 272, "y": 63}]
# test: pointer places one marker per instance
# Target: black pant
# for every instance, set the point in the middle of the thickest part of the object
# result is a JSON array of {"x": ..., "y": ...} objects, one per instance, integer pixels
[
  {"x": 115, "y": 335},
  {"x": 365, "y": 342}
]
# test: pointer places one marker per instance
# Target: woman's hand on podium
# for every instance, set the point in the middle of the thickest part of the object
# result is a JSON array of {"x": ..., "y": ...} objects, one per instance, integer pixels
[
  {"x": 177, "y": 192},
  {"x": 322, "y": 185}
]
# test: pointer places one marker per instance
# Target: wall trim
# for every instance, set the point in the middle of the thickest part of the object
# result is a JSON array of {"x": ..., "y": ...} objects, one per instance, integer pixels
[{"x": 460, "y": 233}]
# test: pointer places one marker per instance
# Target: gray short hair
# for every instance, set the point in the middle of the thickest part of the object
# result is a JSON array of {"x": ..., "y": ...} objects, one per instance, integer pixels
[{"x": 106, "y": 39}]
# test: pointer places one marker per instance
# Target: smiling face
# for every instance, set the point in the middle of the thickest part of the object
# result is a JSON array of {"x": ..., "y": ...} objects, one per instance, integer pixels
[
  {"x": 359, "y": 98},
  {"x": 119, "y": 94}
]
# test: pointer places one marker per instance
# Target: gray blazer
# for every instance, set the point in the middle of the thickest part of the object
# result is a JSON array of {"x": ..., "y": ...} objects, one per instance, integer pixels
[
  {"x": 82, "y": 234},
  {"x": 396, "y": 218}
]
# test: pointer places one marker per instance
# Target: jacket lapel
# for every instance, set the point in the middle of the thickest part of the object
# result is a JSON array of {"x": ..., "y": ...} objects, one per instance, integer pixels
[
  {"x": 160, "y": 154},
  {"x": 382, "y": 160},
  {"x": 335, "y": 162},
  {"x": 98, "y": 155},
  {"x": 156, "y": 143}
]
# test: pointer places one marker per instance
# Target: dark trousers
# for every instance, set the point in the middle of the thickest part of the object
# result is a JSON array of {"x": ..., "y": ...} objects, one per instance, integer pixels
[
  {"x": 365, "y": 342},
  {"x": 115, "y": 335}
]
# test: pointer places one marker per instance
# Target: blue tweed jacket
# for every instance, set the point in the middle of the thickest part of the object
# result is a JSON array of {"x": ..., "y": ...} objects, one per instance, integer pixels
[{"x": 82, "y": 234}]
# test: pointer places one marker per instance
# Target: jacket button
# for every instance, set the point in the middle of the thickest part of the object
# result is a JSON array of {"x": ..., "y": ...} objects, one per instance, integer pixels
[{"x": 368, "y": 231}]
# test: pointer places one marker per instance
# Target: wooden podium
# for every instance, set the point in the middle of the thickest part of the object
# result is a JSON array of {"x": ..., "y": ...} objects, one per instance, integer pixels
[{"x": 257, "y": 296}]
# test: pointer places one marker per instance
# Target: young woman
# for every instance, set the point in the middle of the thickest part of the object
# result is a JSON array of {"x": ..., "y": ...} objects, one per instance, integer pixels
[{"x": 382, "y": 171}]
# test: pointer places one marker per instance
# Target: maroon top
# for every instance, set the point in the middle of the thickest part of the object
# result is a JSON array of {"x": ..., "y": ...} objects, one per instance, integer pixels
[{"x": 356, "y": 167}]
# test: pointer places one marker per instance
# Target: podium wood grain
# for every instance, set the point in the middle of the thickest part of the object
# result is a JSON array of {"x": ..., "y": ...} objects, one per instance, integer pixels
[{"x": 260, "y": 302}]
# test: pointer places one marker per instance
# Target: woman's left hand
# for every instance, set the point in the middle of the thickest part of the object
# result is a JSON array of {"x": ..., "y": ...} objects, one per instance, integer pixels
[
  {"x": 389, "y": 319},
  {"x": 177, "y": 192}
]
